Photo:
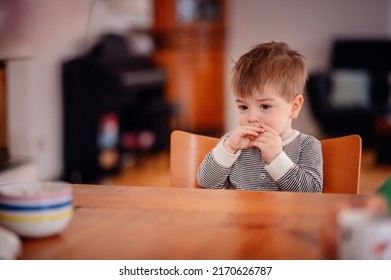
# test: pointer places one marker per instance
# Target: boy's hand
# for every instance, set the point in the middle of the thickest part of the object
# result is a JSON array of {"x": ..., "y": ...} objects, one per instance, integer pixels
[
  {"x": 242, "y": 138},
  {"x": 269, "y": 143}
]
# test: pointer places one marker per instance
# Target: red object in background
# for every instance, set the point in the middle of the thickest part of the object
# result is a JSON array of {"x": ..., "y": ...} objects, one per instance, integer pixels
[
  {"x": 146, "y": 139},
  {"x": 129, "y": 141},
  {"x": 143, "y": 140}
]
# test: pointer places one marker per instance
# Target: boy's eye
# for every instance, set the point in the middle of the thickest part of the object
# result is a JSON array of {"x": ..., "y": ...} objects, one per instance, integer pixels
[
  {"x": 243, "y": 107},
  {"x": 264, "y": 106}
]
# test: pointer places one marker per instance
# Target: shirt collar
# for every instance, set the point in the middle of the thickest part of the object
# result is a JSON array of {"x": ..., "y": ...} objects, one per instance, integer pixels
[{"x": 291, "y": 138}]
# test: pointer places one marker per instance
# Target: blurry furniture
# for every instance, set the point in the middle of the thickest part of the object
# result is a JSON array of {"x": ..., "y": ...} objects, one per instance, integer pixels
[
  {"x": 113, "y": 104},
  {"x": 354, "y": 92},
  {"x": 186, "y": 153},
  {"x": 341, "y": 164},
  {"x": 190, "y": 46},
  {"x": 341, "y": 161},
  {"x": 160, "y": 223}
]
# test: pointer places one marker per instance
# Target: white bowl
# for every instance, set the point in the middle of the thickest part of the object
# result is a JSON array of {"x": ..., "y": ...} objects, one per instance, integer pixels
[{"x": 37, "y": 209}]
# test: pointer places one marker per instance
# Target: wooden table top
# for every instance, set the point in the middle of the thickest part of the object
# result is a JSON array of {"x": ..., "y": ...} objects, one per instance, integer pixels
[{"x": 113, "y": 222}]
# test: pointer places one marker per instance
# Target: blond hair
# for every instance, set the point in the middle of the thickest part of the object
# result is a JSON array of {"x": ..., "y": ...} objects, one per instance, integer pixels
[{"x": 273, "y": 63}]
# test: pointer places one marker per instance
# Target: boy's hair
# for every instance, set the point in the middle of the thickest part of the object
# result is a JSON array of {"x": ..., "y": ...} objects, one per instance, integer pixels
[{"x": 270, "y": 63}]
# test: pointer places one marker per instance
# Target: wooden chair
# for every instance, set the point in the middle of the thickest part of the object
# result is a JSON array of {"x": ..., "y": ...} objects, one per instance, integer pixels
[
  {"x": 341, "y": 164},
  {"x": 341, "y": 161},
  {"x": 187, "y": 150}
]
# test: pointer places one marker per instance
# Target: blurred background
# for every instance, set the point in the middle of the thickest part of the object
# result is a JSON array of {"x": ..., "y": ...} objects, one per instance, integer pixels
[{"x": 88, "y": 87}]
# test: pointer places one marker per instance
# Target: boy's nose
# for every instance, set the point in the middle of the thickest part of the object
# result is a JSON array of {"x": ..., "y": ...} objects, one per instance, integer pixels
[{"x": 253, "y": 118}]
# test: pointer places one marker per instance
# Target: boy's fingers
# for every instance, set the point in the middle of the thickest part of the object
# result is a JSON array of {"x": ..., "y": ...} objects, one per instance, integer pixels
[{"x": 268, "y": 129}]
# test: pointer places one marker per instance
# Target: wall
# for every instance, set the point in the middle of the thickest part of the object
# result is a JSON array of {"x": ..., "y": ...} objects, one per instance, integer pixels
[
  {"x": 62, "y": 29},
  {"x": 34, "y": 85},
  {"x": 306, "y": 25}
]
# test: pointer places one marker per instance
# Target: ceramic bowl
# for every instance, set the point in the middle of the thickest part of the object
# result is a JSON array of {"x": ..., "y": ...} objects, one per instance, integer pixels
[{"x": 37, "y": 209}]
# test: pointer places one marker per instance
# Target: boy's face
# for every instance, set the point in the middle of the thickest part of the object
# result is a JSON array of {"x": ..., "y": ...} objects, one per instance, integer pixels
[{"x": 268, "y": 107}]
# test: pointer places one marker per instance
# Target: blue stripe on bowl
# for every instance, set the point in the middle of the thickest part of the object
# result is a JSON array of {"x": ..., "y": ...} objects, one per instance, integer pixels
[
  {"x": 4, "y": 206},
  {"x": 27, "y": 203}
]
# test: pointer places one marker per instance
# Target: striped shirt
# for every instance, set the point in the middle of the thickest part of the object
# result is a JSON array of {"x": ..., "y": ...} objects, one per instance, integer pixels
[{"x": 298, "y": 168}]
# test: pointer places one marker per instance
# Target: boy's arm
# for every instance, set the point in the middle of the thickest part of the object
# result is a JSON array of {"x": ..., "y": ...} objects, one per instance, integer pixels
[
  {"x": 216, "y": 167},
  {"x": 305, "y": 176}
]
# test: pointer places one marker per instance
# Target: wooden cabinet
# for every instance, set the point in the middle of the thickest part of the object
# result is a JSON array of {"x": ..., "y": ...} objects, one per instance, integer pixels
[{"x": 190, "y": 37}]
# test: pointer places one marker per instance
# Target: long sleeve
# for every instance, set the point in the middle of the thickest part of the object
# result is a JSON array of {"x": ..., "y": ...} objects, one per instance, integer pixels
[
  {"x": 304, "y": 176},
  {"x": 298, "y": 168},
  {"x": 216, "y": 167}
]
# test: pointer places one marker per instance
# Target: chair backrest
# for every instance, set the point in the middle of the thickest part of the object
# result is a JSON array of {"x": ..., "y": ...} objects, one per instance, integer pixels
[
  {"x": 341, "y": 161},
  {"x": 187, "y": 150},
  {"x": 342, "y": 164}
]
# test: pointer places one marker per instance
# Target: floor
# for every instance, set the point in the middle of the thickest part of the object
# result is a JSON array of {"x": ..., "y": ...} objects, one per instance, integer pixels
[
  {"x": 146, "y": 170},
  {"x": 154, "y": 170}
]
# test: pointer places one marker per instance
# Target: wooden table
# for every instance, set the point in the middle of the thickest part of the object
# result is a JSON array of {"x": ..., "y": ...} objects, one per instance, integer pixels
[{"x": 112, "y": 222}]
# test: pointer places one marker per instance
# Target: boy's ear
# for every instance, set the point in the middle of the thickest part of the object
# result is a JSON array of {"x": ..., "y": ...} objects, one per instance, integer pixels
[{"x": 297, "y": 103}]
